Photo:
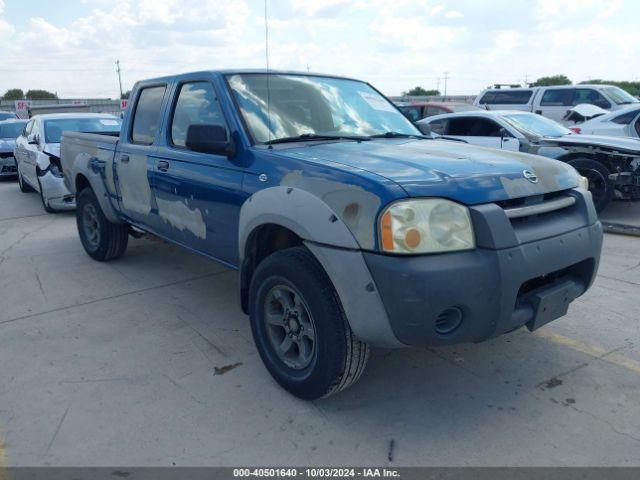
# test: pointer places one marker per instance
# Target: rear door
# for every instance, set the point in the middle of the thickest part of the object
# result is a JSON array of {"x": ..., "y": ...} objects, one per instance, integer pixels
[
  {"x": 30, "y": 153},
  {"x": 134, "y": 160},
  {"x": 481, "y": 131},
  {"x": 554, "y": 103},
  {"x": 199, "y": 195}
]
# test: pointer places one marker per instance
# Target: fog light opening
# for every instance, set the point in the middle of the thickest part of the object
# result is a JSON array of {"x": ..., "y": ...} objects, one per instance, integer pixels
[{"x": 448, "y": 320}]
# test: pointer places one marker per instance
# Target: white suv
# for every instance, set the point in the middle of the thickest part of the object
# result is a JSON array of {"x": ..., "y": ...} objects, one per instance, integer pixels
[{"x": 554, "y": 102}]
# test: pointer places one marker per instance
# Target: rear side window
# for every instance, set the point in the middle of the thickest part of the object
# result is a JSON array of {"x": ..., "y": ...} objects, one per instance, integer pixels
[
  {"x": 438, "y": 126},
  {"x": 556, "y": 97},
  {"x": 506, "y": 97},
  {"x": 197, "y": 104},
  {"x": 147, "y": 115},
  {"x": 626, "y": 118}
]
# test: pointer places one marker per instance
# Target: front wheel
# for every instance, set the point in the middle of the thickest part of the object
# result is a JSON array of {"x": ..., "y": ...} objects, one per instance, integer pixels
[
  {"x": 101, "y": 239},
  {"x": 598, "y": 176},
  {"x": 299, "y": 327}
]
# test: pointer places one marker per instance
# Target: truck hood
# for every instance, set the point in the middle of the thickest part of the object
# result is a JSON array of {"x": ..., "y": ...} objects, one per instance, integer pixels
[
  {"x": 442, "y": 168},
  {"x": 626, "y": 144}
]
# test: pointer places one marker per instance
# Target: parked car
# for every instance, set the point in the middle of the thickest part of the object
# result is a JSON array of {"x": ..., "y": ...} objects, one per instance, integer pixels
[
  {"x": 9, "y": 131},
  {"x": 621, "y": 123},
  {"x": 37, "y": 154},
  {"x": 348, "y": 227},
  {"x": 611, "y": 165},
  {"x": 554, "y": 102},
  {"x": 419, "y": 110},
  {"x": 7, "y": 115}
]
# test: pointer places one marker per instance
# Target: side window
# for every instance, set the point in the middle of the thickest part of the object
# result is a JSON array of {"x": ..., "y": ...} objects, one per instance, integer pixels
[
  {"x": 556, "y": 97},
  {"x": 591, "y": 96},
  {"x": 625, "y": 118},
  {"x": 473, "y": 127},
  {"x": 412, "y": 113},
  {"x": 197, "y": 104},
  {"x": 506, "y": 97},
  {"x": 438, "y": 126},
  {"x": 147, "y": 115},
  {"x": 431, "y": 110}
]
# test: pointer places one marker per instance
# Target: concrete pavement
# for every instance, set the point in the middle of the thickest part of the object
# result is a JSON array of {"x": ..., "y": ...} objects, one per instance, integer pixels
[{"x": 148, "y": 360}]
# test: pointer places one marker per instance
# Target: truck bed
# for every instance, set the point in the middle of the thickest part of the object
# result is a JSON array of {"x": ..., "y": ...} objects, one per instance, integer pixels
[{"x": 77, "y": 147}]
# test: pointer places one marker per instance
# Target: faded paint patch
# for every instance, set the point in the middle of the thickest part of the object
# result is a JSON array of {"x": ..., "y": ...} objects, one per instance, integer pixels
[
  {"x": 178, "y": 214},
  {"x": 134, "y": 185},
  {"x": 355, "y": 206}
]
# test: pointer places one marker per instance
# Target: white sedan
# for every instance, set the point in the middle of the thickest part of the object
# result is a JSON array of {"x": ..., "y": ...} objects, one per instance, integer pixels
[
  {"x": 621, "y": 123},
  {"x": 37, "y": 153},
  {"x": 610, "y": 164}
]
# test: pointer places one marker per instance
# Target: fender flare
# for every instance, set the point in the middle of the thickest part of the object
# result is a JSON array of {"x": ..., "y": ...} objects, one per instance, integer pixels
[
  {"x": 93, "y": 170},
  {"x": 333, "y": 245},
  {"x": 301, "y": 212}
]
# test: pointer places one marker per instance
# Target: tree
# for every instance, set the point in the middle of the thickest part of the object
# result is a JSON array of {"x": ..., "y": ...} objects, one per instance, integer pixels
[
  {"x": 552, "y": 80},
  {"x": 125, "y": 95},
  {"x": 633, "y": 88},
  {"x": 40, "y": 95},
  {"x": 13, "y": 94},
  {"x": 421, "y": 92}
]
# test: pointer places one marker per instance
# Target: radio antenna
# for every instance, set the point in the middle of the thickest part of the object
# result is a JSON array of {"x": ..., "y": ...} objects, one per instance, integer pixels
[{"x": 266, "y": 51}]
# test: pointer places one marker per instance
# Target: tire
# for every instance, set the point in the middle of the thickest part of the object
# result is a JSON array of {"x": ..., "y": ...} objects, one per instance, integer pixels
[
  {"x": 45, "y": 204},
  {"x": 599, "y": 185},
  {"x": 24, "y": 186},
  {"x": 337, "y": 358},
  {"x": 101, "y": 239}
]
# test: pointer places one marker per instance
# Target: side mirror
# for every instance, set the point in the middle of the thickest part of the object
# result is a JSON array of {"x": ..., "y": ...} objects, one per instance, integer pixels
[
  {"x": 424, "y": 128},
  {"x": 207, "y": 138}
]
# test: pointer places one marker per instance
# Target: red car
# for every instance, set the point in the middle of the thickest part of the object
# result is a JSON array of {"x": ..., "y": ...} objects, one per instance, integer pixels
[{"x": 419, "y": 110}]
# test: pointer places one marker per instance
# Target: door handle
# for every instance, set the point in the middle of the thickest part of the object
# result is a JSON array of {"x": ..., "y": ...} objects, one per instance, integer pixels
[
  {"x": 539, "y": 112},
  {"x": 163, "y": 165},
  {"x": 124, "y": 158}
]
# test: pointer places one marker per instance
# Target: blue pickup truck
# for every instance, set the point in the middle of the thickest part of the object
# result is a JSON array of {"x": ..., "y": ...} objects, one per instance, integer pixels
[{"x": 349, "y": 228}]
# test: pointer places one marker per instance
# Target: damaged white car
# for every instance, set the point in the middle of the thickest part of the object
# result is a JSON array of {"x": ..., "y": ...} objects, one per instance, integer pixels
[{"x": 37, "y": 153}]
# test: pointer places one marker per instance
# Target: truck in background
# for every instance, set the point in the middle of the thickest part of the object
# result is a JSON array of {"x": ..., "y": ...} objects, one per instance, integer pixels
[{"x": 556, "y": 101}]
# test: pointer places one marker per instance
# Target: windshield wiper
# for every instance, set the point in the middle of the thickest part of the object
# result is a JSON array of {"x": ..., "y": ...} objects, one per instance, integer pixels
[
  {"x": 398, "y": 135},
  {"x": 313, "y": 136}
]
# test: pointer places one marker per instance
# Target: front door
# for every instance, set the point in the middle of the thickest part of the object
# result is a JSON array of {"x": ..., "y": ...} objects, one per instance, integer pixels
[
  {"x": 199, "y": 195},
  {"x": 482, "y": 132}
]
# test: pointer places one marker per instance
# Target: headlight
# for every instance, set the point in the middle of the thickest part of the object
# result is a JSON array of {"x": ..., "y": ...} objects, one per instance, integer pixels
[
  {"x": 583, "y": 183},
  {"x": 427, "y": 225}
]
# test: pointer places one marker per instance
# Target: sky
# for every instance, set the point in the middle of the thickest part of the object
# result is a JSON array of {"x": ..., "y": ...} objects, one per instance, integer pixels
[{"x": 70, "y": 47}]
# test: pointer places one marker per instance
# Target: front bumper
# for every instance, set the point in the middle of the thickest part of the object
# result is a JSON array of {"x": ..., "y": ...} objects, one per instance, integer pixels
[
  {"x": 56, "y": 192},
  {"x": 8, "y": 167},
  {"x": 485, "y": 292}
]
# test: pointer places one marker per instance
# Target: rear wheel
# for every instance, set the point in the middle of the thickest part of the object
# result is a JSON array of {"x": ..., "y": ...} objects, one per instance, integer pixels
[
  {"x": 598, "y": 176},
  {"x": 24, "y": 186},
  {"x": 299, "y": 327},
  {"x": 102, "y": 240}
]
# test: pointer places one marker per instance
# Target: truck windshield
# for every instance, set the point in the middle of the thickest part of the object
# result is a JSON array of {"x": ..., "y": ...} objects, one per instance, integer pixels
[
  {"x": 11, "y": 129},
  {"x": 300, "y": 105},
  {"x": 620, "y": 96},
  {"x": 530, "y": 123},
  {"x": 53, "y": 128}
]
